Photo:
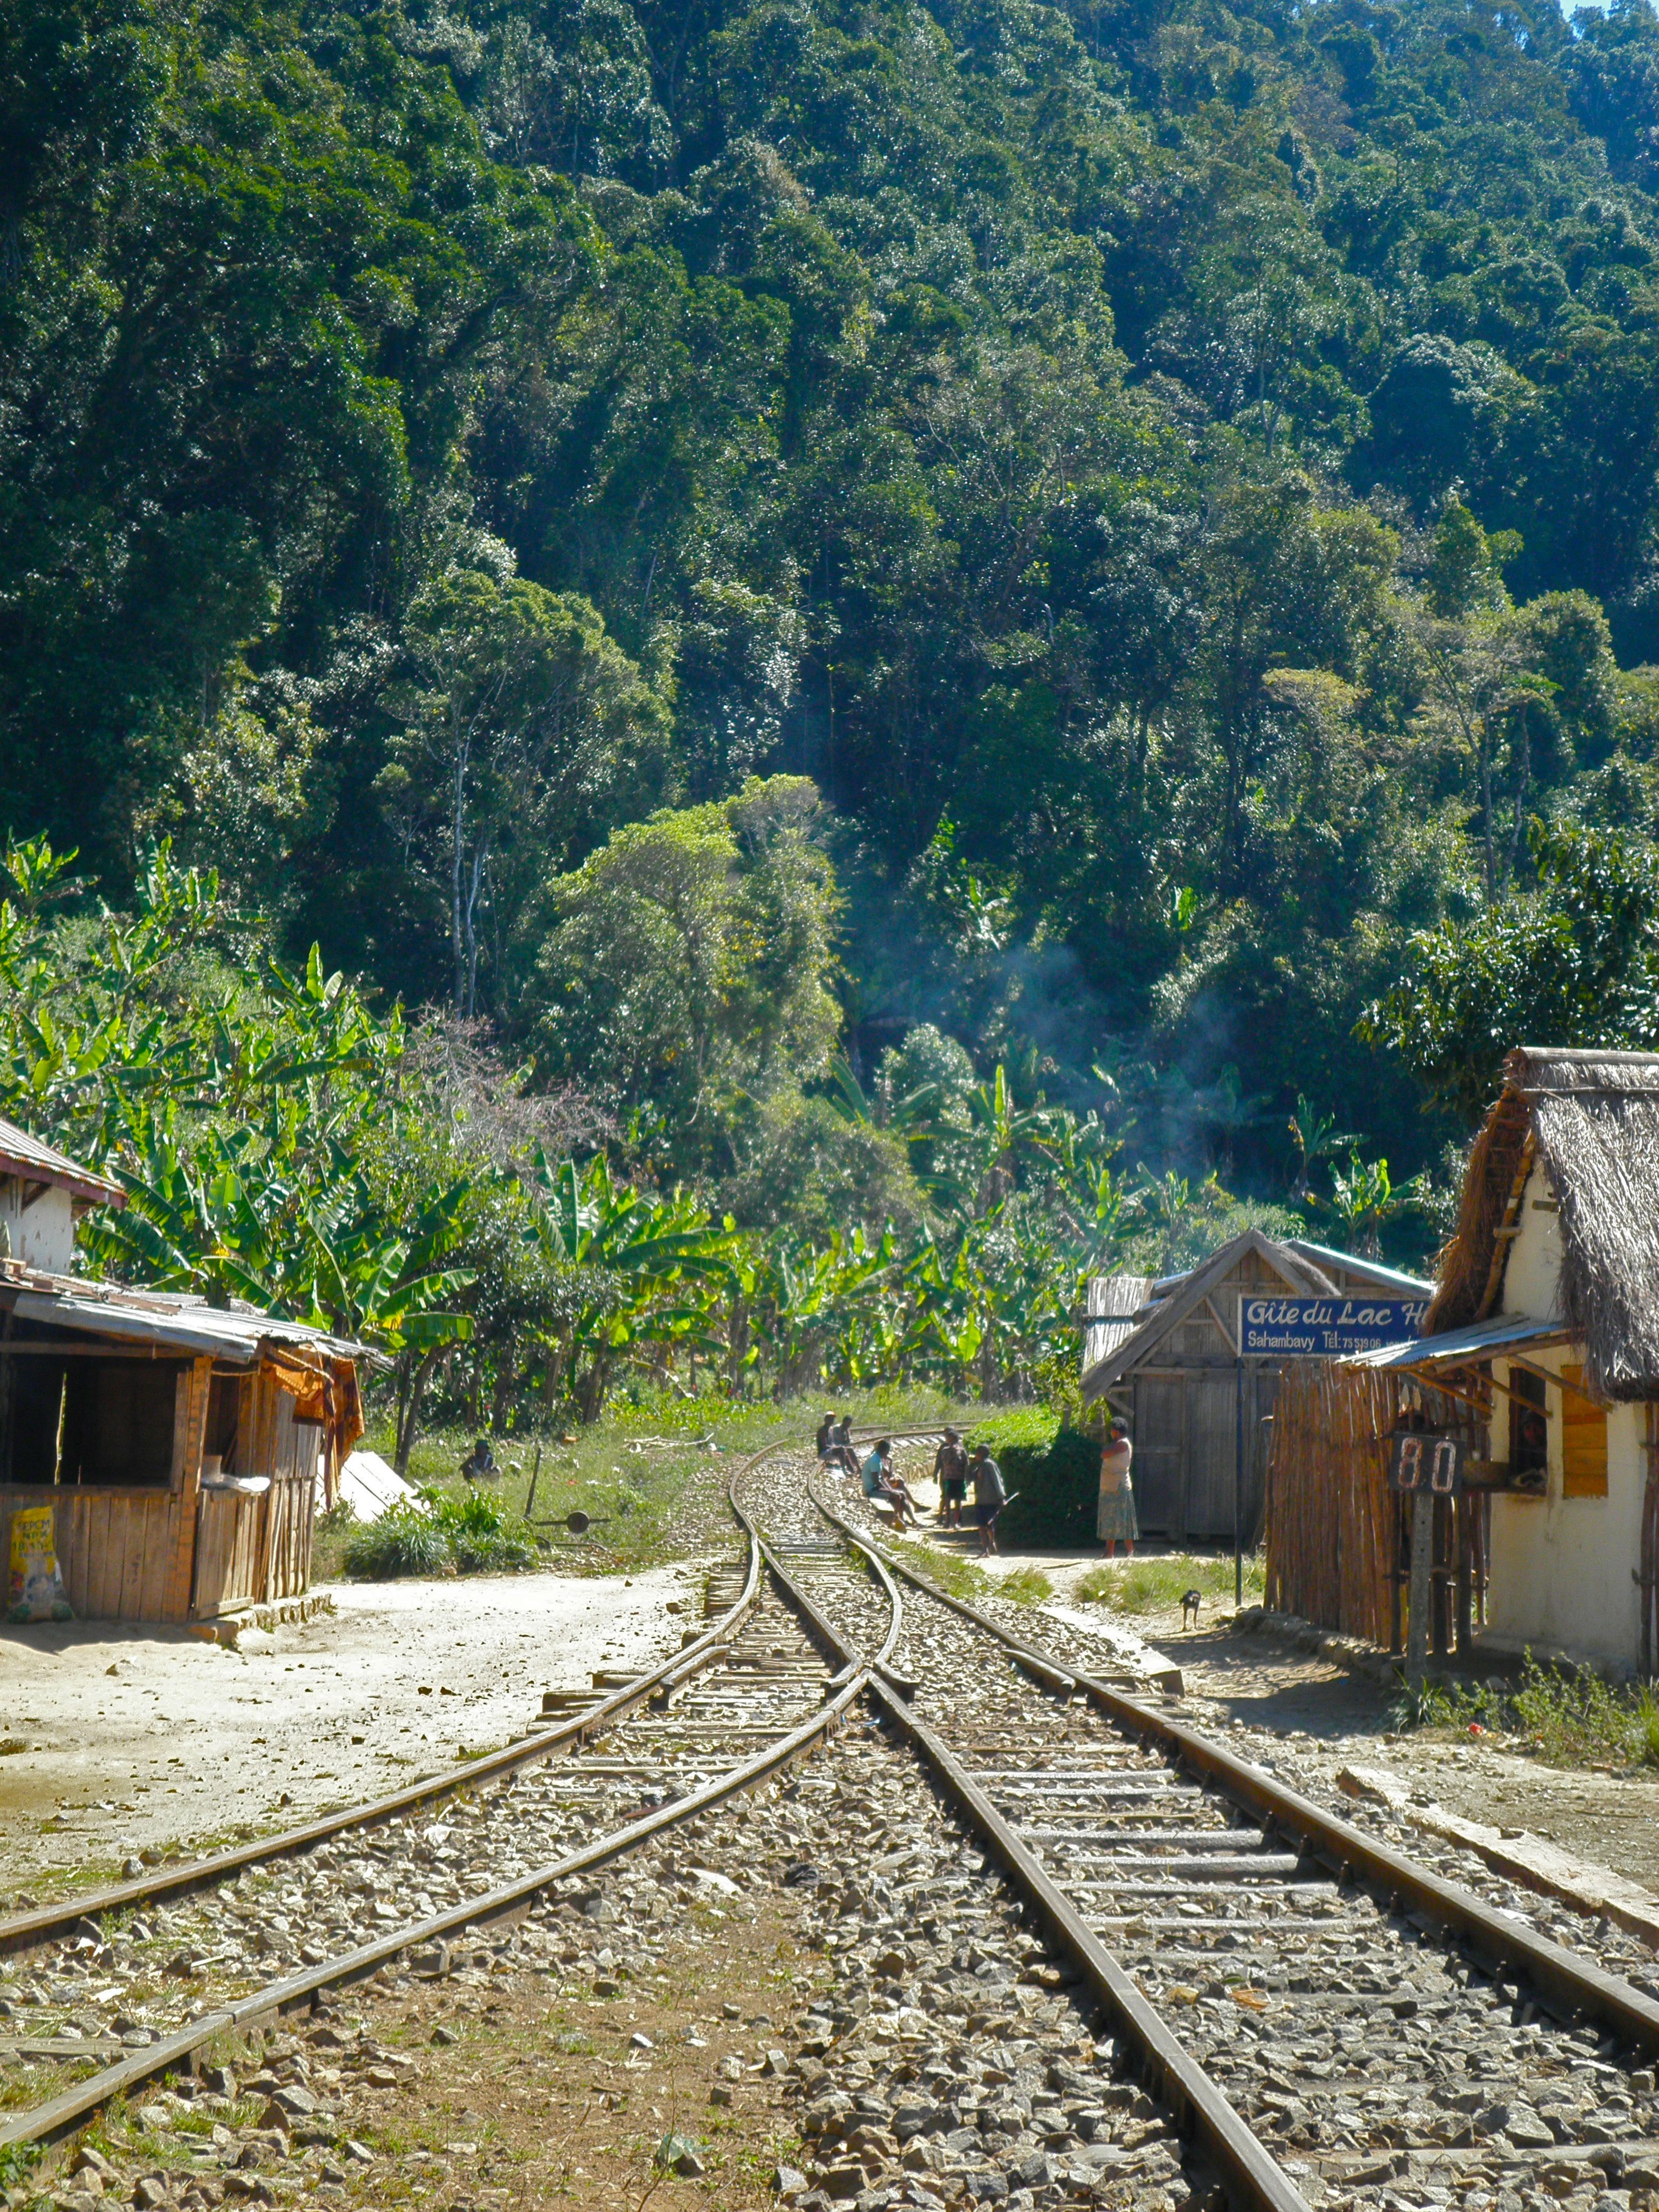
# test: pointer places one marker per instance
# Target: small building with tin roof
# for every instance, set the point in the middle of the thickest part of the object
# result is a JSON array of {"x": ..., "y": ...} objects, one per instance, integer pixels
[
  {"x": 183, "y": 1446},
  {"x": 1162, "y": 1355}
]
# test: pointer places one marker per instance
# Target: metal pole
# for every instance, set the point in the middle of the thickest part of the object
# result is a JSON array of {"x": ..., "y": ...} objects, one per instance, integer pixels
[
  {"x": 1417, "y": 1624},
  {"x": 1238, "y": 1482}
]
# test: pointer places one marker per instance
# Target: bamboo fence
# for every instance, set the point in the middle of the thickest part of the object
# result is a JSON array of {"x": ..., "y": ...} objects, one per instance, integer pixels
[{"x": 1334, "y": 1527}]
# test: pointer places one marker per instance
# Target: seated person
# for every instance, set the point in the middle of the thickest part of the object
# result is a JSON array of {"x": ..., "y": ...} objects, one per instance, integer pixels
[
  {"x": 479, "y": 1465},
  {"x": 881, "y": 1486},
  {"x": 840, "y": 1452}
]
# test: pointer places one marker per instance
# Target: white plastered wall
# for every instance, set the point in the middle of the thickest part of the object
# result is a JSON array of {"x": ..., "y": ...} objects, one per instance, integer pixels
[
  {"x": 41, "y": 1235},
  {"x": 1560, "y": 1568}
]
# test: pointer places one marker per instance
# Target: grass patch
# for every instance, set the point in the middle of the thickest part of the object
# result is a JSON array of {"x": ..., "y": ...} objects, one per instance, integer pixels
[
  {"x": 964, "y": 1578},
  {"x": 1158, "y": 1584},
  {"x": 1563, "y": 1717},
  {"x": 1025, "y": 1586},
  {"x": 949, "y": 1570}
]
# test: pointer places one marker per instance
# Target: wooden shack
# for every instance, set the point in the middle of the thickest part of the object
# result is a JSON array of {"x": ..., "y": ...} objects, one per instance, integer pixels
[
  {"x": 1169, "y": 1366},
  {"x": 183, "y": 1446}
]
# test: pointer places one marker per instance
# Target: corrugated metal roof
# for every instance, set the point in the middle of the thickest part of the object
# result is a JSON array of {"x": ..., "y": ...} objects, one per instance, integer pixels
[
  {"x": 237, "y": 1334},
  {"x": 25, "y": 1155},
  {"x": 1368, "y": 1270},
  {"x": 1487, "y": 1339},
  {"x": 1114, "y": 1306}
]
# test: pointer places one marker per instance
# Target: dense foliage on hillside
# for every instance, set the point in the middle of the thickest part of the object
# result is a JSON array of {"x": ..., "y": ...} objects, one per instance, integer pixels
[
  {"x": 715, "y": 535},
  {"x": 277, "y": 1140}
]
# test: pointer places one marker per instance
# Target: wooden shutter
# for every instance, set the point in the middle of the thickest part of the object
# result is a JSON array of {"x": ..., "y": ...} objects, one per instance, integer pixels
[{"x": 1583, "y": 1440}]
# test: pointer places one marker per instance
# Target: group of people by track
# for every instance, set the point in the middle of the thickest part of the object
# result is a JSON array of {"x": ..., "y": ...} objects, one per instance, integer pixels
[{"x": 956, "y": 1469}]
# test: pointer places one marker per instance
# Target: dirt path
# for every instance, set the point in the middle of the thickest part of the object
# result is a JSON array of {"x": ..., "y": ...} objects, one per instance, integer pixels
[{"x": 118, "y": 1739}]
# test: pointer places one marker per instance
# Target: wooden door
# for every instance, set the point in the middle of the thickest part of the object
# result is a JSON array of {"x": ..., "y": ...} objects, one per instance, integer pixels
[
  {"x": 1155, "y": 1436},
  {"x": 1260, "y": 1401},
  {"x": 1211, "y": 1447}
]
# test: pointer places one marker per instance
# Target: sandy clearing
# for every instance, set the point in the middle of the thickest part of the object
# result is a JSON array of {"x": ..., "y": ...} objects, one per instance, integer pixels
[{"x": 139, "y": 1736}]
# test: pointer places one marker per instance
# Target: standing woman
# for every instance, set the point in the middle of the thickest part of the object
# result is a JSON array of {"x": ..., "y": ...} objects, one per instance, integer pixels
[{"x": 1114, "y": 1519}]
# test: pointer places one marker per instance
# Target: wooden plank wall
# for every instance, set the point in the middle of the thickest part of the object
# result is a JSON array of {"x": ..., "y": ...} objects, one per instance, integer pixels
[
  {"x": 119, "y": 1551},
  {"x": 230, "y": 1550},
  {"x": 153, "y": 1554},
  {"x": 249, "y": 1549},
  {"x": 126, "y": 1554}
]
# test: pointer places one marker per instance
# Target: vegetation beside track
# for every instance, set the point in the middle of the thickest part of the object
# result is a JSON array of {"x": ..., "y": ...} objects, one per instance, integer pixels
[
  {"x": 628, "y": 1472},
  {"x": 1157, "y": 1582},
  {"x": 1565, "y": 1717}
]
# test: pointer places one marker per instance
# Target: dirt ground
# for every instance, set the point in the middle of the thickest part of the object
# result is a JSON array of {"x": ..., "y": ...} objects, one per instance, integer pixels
[
  {"x": 548, "y": 2099},
  {"x": 118, "y": 1739}
]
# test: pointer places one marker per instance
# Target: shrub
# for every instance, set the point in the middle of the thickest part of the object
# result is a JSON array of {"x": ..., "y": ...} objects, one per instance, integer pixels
[
  {"x": 472, "y": 1533},
  {"x": 404, "y": 1540},
  {"x": 1055, "y": 1469},
  {"x": 479, "y": 1534},
  {"x": 1569, "y": 1717}
]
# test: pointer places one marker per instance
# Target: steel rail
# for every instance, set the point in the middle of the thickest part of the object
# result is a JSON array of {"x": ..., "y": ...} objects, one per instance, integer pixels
[
  {"x": 74, "y": 2106},
  {"x": 824, "y": 1630},
  {"x": 61, "y": 2115},
  {"x": 1567, "y": 1982},
  {"x": 1042, "y": 1664},
  {"x": 20, "y": 1930},
  {"x": 1199, "y": 2108}
]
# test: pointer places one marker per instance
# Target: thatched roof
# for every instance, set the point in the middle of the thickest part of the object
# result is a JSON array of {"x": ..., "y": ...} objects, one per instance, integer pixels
[{"x": 1591, "y": 1120}]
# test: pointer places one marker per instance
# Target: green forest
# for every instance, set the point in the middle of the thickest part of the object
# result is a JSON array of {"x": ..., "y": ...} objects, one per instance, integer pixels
[{"x": 718, "y": 689}]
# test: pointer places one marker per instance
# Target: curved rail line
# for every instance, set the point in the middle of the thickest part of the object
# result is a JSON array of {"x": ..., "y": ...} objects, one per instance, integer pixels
[
  {"x": 22, "y": 1930},
  {"x": 1196, "y": 2105},
  {"x": 1251, "y": 2175},
  {"x": 59, "y": 2115}
]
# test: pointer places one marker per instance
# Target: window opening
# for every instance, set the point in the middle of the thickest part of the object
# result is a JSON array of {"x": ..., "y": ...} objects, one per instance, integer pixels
[{"x": 1529, "y": 1433}]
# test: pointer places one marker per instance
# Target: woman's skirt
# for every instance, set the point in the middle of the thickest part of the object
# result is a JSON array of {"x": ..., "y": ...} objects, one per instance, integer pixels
[{"x": 1116, "y": 1516}]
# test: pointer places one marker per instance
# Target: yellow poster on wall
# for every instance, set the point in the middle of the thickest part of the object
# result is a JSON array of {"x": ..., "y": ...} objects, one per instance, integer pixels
[{"x": 36, "y": 1589}]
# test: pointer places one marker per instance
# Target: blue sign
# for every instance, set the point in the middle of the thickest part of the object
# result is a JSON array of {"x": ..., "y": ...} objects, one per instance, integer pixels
[{"x": 1326, "y": 1328}]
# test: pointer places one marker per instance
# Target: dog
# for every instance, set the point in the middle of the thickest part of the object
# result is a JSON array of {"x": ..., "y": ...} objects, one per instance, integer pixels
[{"x": 1189, "y": 1606}]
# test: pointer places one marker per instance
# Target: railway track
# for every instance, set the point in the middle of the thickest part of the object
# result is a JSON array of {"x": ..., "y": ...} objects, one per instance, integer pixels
[
  {"x": 121, "y": 1986},
  {"x": 1375, "y": 2027},
  {"x": 1282, "y": 2005}
]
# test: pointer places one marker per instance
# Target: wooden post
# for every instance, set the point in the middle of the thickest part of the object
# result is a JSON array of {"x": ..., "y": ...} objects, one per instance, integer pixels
[
  {"x": 1440, "y": 1611},
  {"x": 1238, "y": 1482},
  {"x": 535, "y": 1477},
  {"x": 1463, "y": 1512},
  {"x": 1649, "y": 1569},
  {"x": 1417, "y": 1620}
]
